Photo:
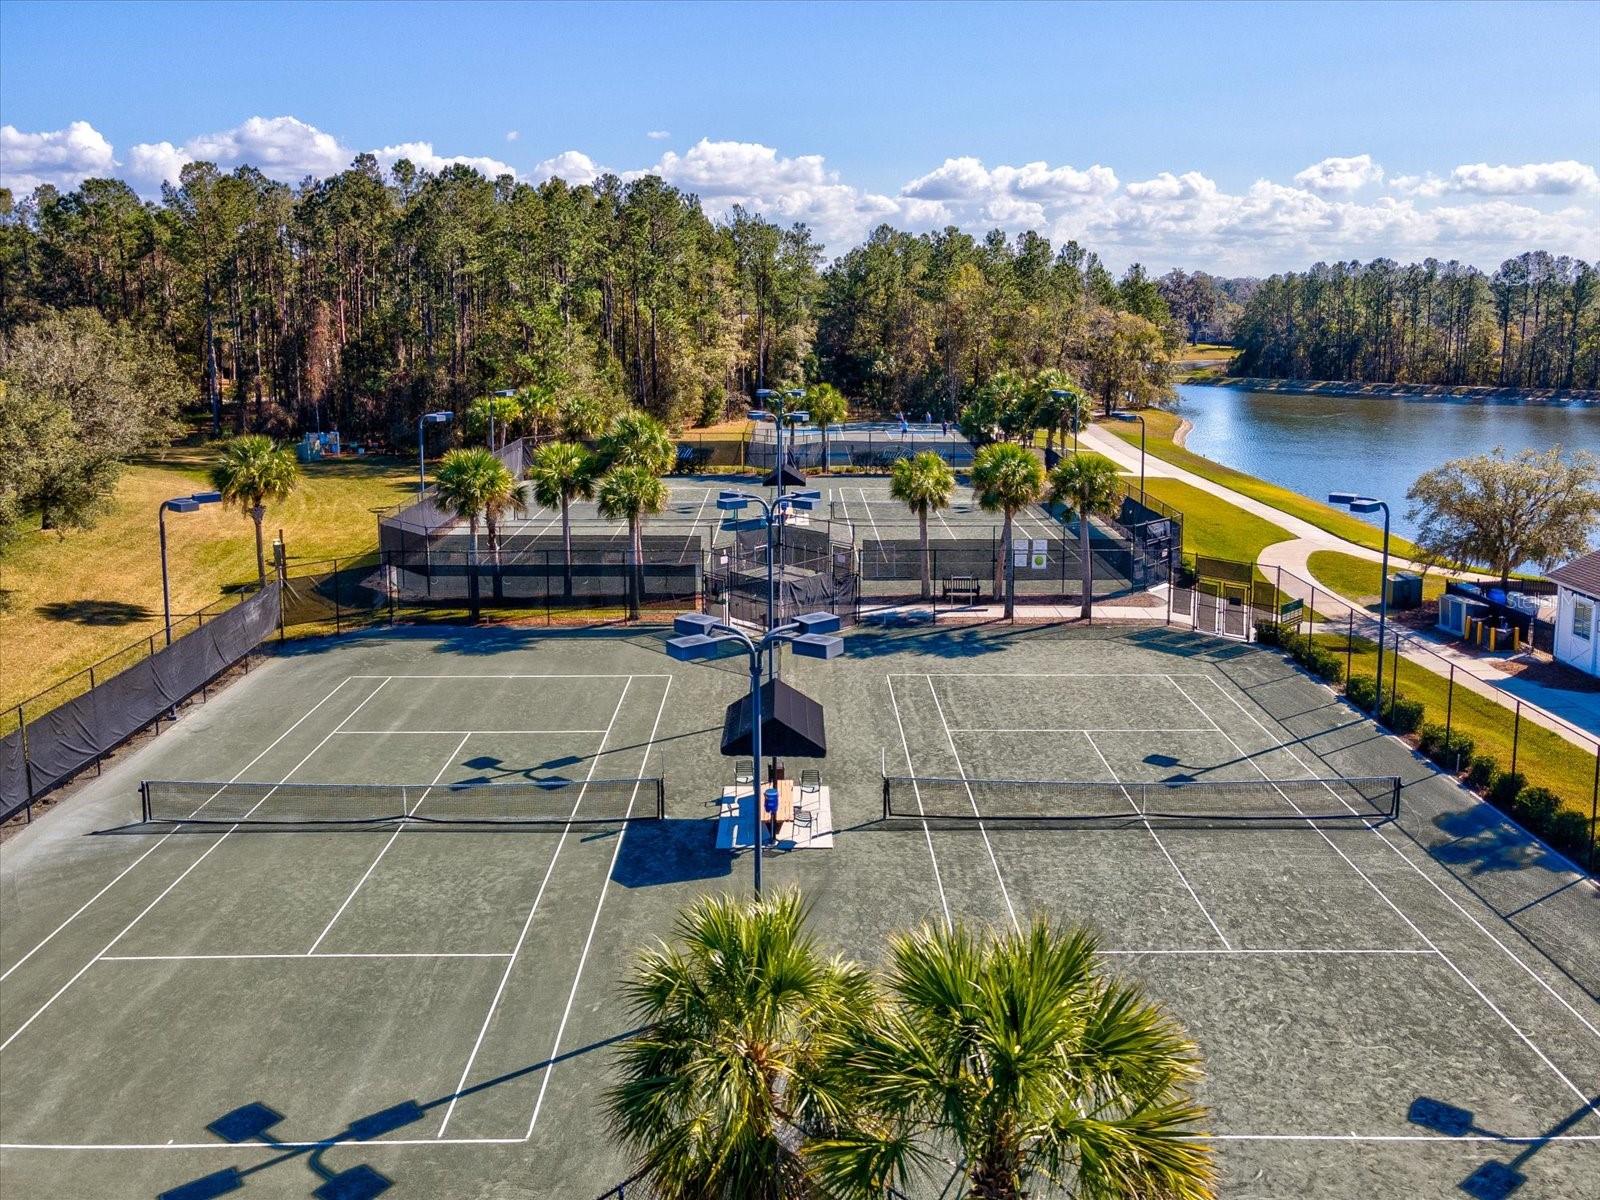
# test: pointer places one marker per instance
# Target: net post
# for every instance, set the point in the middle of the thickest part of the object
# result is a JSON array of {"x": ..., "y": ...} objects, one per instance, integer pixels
[
  {"x": 886, "y": 798},
  {"x": 144, "y": 801},
  {"x": 1394, "y": 799},
  {"x": 661, "y": 798}
]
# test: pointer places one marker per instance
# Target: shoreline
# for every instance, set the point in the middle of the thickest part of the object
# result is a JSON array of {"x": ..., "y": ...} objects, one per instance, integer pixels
[{"x": 1406, "y": 391}]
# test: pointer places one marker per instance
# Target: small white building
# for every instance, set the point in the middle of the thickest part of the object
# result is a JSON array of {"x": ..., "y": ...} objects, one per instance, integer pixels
[{"x": 1578, "y": 612}]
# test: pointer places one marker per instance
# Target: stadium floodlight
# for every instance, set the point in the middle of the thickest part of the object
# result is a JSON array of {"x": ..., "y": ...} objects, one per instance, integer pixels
[
  {"x": 798, "y": 417},
  {"x": 816, "y": 645},
  {"x": 733, "y": 503},
  {"x": 692, "y": 624},
  {"x": 759, "y": 414},
  {"x": 1358, "y": 503},
  {"x": 818, "y": 622},
  {"x": 694, "y": 647}
]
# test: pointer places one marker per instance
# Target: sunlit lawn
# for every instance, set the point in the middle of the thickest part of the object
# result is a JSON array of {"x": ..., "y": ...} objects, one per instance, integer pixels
[
  {"x": 1357, "y": 579},
  {"x": 74, "y": 598}
]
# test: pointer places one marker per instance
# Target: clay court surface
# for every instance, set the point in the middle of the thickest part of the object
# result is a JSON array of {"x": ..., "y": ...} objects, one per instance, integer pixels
[{"x": 438, "y": 1000}]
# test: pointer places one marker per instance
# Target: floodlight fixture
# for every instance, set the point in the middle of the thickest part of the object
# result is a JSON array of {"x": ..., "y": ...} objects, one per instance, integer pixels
[
  {"x": 1358, "y": 503},
  {"x": 693, "y": 624},
  {"x": 1342, "y": 498},
  {"x": 799, "y": 417},
  {"x": 438, "y": 418},
  {"x": 694, "y": 647},
  {"x": 1365, "y": 505},
  {"x": 817, "y": 645},
  {"x": 765, "y": 394},
  {"x": 732, "y": 503},
  {"x": 819, "y": 622},
  {"x": 182, "y": 504},
  {"x": 207, "y": 497},
  {"x": 1123, "y": 414}
]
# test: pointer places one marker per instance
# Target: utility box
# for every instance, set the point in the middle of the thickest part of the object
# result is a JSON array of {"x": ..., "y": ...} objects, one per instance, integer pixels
[{"x": 1405, "y": 590}]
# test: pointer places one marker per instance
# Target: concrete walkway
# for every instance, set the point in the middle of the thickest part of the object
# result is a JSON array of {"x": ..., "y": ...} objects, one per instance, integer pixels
[{"x": 1303, "y": 539}]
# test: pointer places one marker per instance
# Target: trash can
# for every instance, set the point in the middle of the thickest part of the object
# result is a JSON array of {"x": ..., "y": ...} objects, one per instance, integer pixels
[{"x": 1405, "y": 590}]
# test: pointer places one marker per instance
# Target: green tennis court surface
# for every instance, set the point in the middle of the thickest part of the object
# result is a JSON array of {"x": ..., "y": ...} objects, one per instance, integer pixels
[{"x": 437, "y": 999}]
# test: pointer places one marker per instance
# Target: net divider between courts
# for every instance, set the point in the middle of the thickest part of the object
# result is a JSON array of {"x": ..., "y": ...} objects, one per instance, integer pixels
[
  {"x": 1289, "y": 802},
  {"x": 554, "y": 801}
]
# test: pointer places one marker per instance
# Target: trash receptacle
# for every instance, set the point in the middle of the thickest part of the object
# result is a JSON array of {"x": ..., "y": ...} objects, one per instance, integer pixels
[{"x": 1405, "y": 590}]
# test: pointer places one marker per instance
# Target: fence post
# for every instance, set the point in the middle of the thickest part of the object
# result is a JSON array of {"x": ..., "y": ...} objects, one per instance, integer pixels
[
  {"x": 1594, "y": 814},
  {"x": 1449, "y": 711},
  {"x": 1349, "y": 644},
  {"x": 1394, "y": 679},
  {"x": 1516, "y": 734},
  {"x": 338, "y": 616},
  {"x": 27, "y": 764}
]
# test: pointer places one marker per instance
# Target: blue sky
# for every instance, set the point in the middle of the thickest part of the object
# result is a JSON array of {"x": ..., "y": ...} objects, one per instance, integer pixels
[{"x": 1170, "y": 133}]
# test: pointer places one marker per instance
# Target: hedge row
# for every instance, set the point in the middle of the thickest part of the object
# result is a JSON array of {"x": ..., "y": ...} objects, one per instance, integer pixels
[{"x": 1537, "y": 809}]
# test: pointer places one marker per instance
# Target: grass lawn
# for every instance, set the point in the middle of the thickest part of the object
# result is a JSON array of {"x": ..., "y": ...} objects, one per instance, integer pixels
[
  {"x": 72, "y": 599},
  {"x": 1212, "y": 526},
  {"x": 1204, "y": 362},
  {"x": 1357, "y": 579},
  {"x": 1164, "y": 425},
  {"x": 1544, "y": 757}
]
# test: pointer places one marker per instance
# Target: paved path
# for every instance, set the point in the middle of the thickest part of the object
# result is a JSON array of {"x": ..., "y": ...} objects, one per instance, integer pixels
[{"x": 1303, "y": 539}]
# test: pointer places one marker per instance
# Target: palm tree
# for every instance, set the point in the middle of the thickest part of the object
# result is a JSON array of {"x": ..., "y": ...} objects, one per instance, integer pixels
[
  {"x": 1022, "y": 1055},
  {"x": 474, "y": 484},
  {"x": 632, "y": 493},
  {"x": 636, "y": 439},
  {"x": 561, "y": 472},
  {"x": 538, "y": 408},
  {"x": 252, "y": 470},
  {"x": 1085, "y": 484},
  {"x": 739, "y": 1016},
  {"x": 493, "y": 416},
  {"x": 827, "y": 407},
  {"x": 1006, "y": 479},
  {"x": 924, "y": 483}
]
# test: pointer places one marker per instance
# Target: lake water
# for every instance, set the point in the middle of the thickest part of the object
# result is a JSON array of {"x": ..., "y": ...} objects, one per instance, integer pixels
[{"x": 1377, "y": 445}]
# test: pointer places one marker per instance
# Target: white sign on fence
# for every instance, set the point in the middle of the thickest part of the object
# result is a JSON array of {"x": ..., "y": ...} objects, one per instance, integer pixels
[{"x": 1040, "y": 556}]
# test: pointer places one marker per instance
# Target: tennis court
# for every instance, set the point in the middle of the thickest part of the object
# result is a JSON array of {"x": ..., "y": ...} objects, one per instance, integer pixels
[{"x": 434, "y": 999}]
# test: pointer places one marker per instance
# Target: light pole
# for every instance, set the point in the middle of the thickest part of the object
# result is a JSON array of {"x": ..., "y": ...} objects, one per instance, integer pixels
[
  {"x": 701, "y": 636},
  {"x": 180, "y": 504},
  {"x": 432, "y": 418},
  {"x": 1357, "y": 503},
  {"x": 780, "y": 416},
  {"x": 736, "y": 501},
  {"x": 1123, "y": 414}
]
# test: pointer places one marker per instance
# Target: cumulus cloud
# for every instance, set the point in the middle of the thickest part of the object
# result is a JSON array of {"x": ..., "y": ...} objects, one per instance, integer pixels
[
  {"x": 1340, "y": 175},
  {"x": 423, "y": 157},
  {"x": 282, "y": 148},
  {"x": 658, "y": 135},
  {"x": 571, "y": 166},
  {"x": 1565, "y": 178},
  {"x": 966, "y": 180},
  {"x": 63, "y": 157}
]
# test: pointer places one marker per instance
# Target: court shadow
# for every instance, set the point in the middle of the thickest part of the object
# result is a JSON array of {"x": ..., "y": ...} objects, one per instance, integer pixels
[
  {"x": 252, "y": 1124},
  {"x": 674, "y": 850},
  {"x": 1481, "y": 840},
  {"x": 968, "y": 642},
  {"x": 107, "y": 613}
]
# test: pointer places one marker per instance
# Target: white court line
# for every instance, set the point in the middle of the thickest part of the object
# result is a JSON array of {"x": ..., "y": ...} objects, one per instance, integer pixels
[
  {"x": 452, "y": 732},
  {"x": 1238, "y": 952},
  {"x": 293, "y": 957},
  {"x": 85, "y": 905},
  {"x": 79, "y": 974},
  {"x": 1160, "y": 845},
  {"x": 867, "y": 504},
  {"x": 917, "y": 790},
  {"x": 1005, "y": 892},
  {"x": 1358, "y": 1138},
  {"x": 1038, "y": 675},
  {"x": 1382, "y": 895},
  {"x": 1014, "y": 729},
  {"x": 365, "y": 875},
  {"x": 570, "y": 675},
  {"x": 534, "y": 908},
  {"x": 616, "y": 851},
  {"x": 1406, "y": 858}
]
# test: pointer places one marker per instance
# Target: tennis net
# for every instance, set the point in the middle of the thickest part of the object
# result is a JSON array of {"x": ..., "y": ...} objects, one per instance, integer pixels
[
  {"x": 552, "y": 801},
  {"x": 1287, "y": 802}
]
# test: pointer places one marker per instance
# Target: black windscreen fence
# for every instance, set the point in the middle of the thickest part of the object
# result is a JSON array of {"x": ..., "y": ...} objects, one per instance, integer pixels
[{"x": 75, "y": 734}]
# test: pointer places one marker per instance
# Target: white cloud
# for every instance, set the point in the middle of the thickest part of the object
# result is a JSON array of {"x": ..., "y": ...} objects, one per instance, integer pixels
[
  {"x": 283, "y": 148},
  {"x": 424, "y": 158},
  {"x": 1340, "y": 175},
  {"x": 1531, "y": 179},
  {"x": 63, "y": 157},
  {"x": 571, "y": 166},
  {"x": 658, "y": 135},
  {"x": 513, "y": 135},
  {"x": 967, "y": 180}
]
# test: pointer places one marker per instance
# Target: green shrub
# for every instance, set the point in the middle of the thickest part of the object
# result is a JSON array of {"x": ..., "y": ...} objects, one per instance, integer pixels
[
  {"x": 1569, "y": 831},
  {"x": 1431, "y": 740},
  {"x": 1482, "y": 771},
  {"x": 1403, "y": 715},
  {"x": 1456, "y": 751},
  {"x": 1326, "y": 665},
  {"x": 1536, "y": 807},
  {"x": 1504, "y": 790},
  {"x": 1361, "y": 690}
]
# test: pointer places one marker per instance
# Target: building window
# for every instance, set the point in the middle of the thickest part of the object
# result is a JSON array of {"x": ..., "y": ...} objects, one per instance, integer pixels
[{"x": 1582, "y": 618}]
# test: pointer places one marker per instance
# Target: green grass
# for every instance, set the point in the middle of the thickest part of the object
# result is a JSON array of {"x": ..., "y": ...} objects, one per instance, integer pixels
[
  {"x": 1204, "y": 362},
  {"x": 75, "y": 598},
  {"x": 1546, "y": 758},
  {"x": 1212, "y": 526},
  {"x": 1357, "y": 579},
  {"x": 1164, "y": 425}
]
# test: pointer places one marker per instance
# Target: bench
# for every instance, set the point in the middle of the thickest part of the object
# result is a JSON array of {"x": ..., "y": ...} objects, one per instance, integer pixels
[{"x": 960, "y": 587}]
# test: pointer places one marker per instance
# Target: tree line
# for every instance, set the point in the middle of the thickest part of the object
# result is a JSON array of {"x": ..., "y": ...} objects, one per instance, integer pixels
[
  {"x": 1533, "y": 323},
  {"x": 357, "y": 301}
]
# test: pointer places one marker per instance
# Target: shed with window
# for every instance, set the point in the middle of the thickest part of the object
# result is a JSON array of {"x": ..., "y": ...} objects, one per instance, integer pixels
[{"x": 1578, "y": 612}]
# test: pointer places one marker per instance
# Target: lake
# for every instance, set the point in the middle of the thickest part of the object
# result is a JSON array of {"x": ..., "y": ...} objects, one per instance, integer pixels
[{"x": 1378, "y": 445}]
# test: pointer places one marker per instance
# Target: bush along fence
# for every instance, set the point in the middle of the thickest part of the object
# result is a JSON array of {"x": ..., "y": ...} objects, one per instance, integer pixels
[{"x": 1536, "y": 768}]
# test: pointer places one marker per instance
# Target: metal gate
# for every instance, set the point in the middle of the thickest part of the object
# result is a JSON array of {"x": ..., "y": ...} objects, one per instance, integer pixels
[{"x": 1222, "y": 597}]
